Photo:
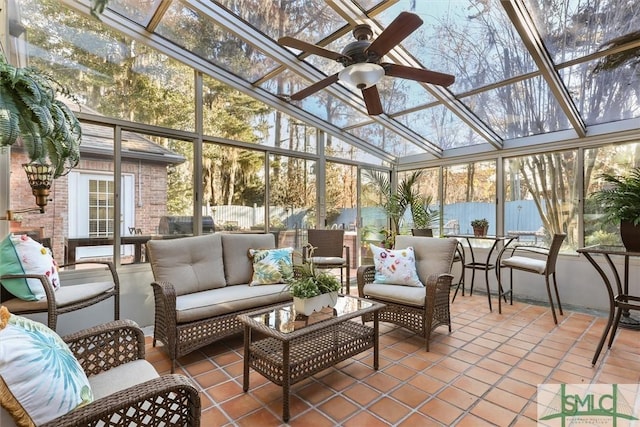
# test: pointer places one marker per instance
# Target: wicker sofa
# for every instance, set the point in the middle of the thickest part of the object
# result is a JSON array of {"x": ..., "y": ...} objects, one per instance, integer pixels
[
  {"x": 127, "y": 389},
  {"x": 201, "y": 284},
  {"x": 418, "y": 309}
]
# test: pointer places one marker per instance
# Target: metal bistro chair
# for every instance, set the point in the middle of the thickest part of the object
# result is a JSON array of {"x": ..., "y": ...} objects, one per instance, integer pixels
[
  {"x": 329, "y": 252},
  {"x": 543, "y": 262}
]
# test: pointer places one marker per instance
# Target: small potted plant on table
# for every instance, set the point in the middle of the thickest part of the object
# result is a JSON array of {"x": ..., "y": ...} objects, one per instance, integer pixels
[
  {"x": 312, "y": 290},
  {"x": 480, "y": 227}
]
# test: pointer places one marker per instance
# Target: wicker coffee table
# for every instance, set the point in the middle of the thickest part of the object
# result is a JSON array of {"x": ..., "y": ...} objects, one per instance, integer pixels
[{"x": 290, "y": 347}]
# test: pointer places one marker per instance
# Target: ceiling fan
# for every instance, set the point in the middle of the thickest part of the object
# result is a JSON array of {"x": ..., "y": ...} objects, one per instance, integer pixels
[{"x": 362, "y": 61}]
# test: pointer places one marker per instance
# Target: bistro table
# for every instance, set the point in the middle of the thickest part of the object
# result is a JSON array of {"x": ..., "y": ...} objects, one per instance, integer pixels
[
  {"x": 286, "y": 347},
  {"x": 486, "y": 264},
  {"x": 620, "y": 302}
]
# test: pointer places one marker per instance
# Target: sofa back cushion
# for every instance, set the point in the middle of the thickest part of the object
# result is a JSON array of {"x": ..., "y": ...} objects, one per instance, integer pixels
[
  {"x": 191, "y": 264},
  {"x": 238, "y": 266},
  {"x": 433, "y": 255}
]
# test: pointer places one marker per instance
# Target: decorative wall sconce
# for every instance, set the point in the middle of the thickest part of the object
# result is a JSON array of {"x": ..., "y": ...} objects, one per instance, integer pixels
[{"x": 40, "y": 177}]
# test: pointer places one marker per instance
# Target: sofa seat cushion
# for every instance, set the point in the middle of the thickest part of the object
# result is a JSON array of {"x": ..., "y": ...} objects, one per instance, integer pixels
[
  {"x": 121, "y": 377},
  {"x": 216, "y": 302},
  {"x": 405, "y": 295},
  {"x": 65, "y": 296}
]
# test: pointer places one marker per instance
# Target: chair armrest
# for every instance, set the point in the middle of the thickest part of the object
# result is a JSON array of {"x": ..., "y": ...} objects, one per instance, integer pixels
[
  {"x": 365, "y": 275},
  {"x": 438, "y": 288},
  {"x": 540, "y": 250},
  {"x": 106, "y": 346},
  {"x": 109, "y": 264},
  {"x": 154, "y": 402}
]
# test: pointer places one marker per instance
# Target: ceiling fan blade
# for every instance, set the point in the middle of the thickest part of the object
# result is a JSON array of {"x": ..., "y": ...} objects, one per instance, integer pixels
[
  {"x": 310, "y": 48},
  {"x": 404, "y": 24},
  {"x": 314, "y": 88},
  {"x": 372, "y": 100},
  {"x": 418, "y": 74}
]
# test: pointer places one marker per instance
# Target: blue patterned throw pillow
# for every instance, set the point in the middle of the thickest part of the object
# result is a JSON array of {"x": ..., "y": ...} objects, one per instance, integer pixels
[
  {"x": 40, "y": 379},
  {"x": 271, "y": 265}
]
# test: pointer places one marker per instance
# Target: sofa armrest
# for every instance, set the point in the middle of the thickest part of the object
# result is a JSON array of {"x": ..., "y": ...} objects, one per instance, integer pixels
[
  {"x": 170, "y": 399},
  {"x": 365, "y": 275},
  {"x": 106, "y": 346}
]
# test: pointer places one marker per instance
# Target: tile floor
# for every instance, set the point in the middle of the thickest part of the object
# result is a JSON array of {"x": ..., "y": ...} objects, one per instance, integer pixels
[{"x": 484, "y": 373}]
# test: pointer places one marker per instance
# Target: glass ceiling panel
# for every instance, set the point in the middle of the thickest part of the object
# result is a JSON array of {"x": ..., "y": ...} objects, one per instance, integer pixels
[
  {"x": 604, "y": 94},
  {"x": 474, "y": 41},
  {"x": 342, "y": 150},
  {"x": 383, "y": 138},
  {"x": 332, "y": 110},
  {"x": 400, "y": 94},
  {"x": 307, "y": 20},
  {"x": 199, "y": 34},
  {"x": 135, "y": 10},
  {"x": 521, "y": 109},
  {"x": 576, "y": 28},
  {"x": 441, "y": 127},
  {"x": 367, "y": 4},
  {"x": 292, "y": 134},
  {"x": 106, "y": 70}
]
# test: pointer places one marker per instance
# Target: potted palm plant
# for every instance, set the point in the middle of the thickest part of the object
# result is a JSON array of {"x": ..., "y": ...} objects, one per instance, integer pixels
[
  {"x": 49, "y": 131},
  {"x": 406, "y": 197},
  {"x": 620, "y": 201}
]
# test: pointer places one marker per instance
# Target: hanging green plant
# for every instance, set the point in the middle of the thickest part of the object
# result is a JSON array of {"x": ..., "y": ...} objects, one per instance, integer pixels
[{"x": 29, "y": 110}]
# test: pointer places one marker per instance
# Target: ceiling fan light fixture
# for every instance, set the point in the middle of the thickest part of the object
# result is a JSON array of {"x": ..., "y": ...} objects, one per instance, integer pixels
[{"x": 361, "y": 75}]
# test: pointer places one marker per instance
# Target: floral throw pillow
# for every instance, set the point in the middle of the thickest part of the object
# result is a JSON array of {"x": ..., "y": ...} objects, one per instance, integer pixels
[
  {"x": 40, "y": 379},
  {"x": 271, "y": 265},
  {"x": 20, "y": 254},
  {"x": 395, "y": 267}
]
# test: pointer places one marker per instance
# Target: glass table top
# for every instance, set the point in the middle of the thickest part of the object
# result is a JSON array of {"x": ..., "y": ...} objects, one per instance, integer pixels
[{"x": 284, "y": 318}]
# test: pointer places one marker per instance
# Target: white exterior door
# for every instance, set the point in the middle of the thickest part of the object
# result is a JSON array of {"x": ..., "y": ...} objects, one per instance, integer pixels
[{"x": 91, "y": 211}]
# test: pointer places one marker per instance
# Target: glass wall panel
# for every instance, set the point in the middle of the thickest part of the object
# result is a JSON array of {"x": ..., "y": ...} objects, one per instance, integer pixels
[
  {"x": 374, "y": 193},
  {"x": 612, "y": 159},
  {"x": 541, "y": 197},
  {"x": 469, "y": 192},
  {"x": 233, "y": 188},
  {"x": 80, "y": 220},
  {"x": 426, "y": 187},
  {"x": 292, "y": 199},
  {"x": 109, "y": 74},
  {"x": 341, "y": 195}
]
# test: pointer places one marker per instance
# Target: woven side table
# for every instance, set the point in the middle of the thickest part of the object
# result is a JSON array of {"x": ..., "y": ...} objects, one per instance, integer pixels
[{"x": 292, "y": 347}]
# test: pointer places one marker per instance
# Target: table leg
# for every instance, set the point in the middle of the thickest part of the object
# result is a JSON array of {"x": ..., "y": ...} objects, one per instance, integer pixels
[
  {"x": 376, "y": 340},
  {"x": 611, "y": 304},
  {"x": 247, "y": 344},
  {"x": 286, "y": 381}
]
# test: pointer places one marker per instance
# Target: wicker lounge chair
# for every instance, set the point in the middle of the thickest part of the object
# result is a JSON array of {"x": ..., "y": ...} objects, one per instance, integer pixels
[
  {"x": 420, "y": 310},
  {"x": 127, "y": 389},
  {"x": 67, "y": 298},
  {"x": 329, "y": 252}
]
